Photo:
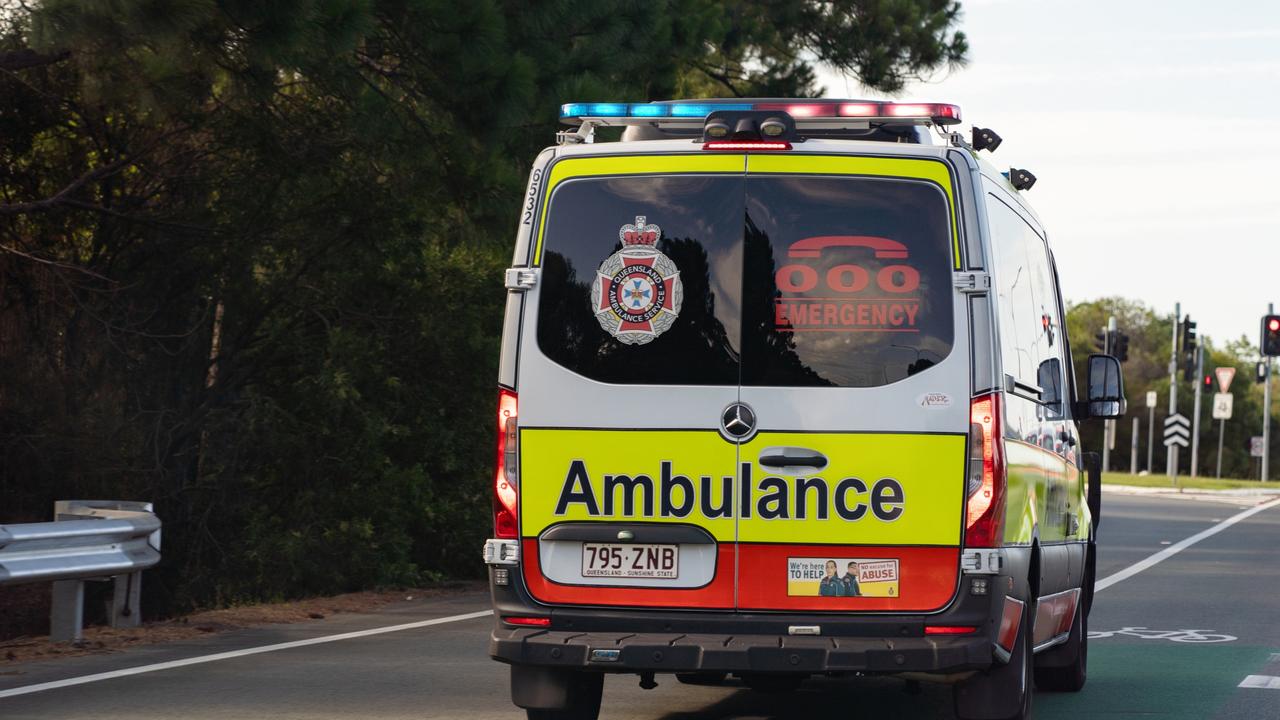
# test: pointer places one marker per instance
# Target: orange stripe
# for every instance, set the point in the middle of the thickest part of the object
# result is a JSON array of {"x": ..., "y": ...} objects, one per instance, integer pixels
[{"x": 928, "y": 581}]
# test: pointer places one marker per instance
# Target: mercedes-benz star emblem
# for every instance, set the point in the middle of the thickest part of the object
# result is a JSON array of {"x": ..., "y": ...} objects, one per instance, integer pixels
[{"x": 738, "y": 421}]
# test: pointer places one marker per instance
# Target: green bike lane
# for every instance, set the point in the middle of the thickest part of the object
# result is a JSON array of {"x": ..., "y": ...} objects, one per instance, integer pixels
[{"x": 1224, "y": 586}]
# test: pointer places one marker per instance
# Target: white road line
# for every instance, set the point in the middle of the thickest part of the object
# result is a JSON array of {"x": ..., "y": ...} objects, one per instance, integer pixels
[
  {"x": 41, "y": 687},
  {"x": 1266, "y": 682},
  {"x": 1181, "y": 545}
]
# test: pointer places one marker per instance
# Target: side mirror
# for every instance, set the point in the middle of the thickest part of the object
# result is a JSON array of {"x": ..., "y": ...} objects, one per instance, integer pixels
[{"x": 1106, "y": 388}]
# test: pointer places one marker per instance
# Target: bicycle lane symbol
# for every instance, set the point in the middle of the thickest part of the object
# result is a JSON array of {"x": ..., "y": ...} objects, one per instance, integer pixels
[{"x": 1178, "y": 636}]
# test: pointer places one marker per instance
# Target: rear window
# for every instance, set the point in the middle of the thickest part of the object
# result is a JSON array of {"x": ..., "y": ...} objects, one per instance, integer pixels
[
  {"x": 641, "y": 279},
  {"x": 847, "y": 281},
  {"x": 761, "y": 280}
]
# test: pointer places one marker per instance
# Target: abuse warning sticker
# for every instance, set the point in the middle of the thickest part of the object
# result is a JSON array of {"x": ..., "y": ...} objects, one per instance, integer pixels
[
  {"x": 842, "y": 577},
  {"x": 637, "y": 293}
]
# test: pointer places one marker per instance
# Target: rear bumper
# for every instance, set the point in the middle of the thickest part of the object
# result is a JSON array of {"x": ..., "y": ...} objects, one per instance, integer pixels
[
  {"x": 670, "y": 640},
  {"x": 673, "y": 652}
]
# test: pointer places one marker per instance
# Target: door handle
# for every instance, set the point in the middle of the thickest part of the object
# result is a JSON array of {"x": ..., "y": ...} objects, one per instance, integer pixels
[{"x": 792, "y": 457}]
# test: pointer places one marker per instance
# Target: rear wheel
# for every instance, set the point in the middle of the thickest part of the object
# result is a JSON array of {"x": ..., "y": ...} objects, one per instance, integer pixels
[{"x": 1004, "y": 692}]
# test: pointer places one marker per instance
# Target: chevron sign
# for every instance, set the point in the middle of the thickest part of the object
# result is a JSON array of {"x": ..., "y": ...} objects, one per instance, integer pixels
[{"x": 1177, "y": 430}]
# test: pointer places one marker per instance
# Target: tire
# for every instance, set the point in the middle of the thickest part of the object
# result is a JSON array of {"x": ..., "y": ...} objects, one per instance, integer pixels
[
  {"x": 584, "y": 700},
  {"x": 1005, "y": 692},
  {"x": 702, "y": 678},
  {"x": 1066, "y": 667}
]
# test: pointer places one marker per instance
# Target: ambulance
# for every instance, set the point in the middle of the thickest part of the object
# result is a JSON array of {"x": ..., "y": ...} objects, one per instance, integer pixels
[{"x": 786, "y": 391}]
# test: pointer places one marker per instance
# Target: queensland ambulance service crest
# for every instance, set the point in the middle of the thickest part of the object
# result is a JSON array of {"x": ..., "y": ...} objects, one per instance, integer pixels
[{"x": 637, "y": 293}]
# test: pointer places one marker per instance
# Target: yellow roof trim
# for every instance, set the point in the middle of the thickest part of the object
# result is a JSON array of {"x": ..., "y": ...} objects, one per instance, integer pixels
[{"x": 934, "y": 171}]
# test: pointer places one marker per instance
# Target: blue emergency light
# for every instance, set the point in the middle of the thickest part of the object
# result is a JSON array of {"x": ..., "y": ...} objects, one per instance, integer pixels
[{"x": 937, "y": 113}]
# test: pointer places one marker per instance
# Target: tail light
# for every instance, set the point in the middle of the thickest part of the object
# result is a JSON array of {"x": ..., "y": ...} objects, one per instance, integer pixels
[
  {"x": 985, "y": 484},
  {"x": 506, "y": 478}
]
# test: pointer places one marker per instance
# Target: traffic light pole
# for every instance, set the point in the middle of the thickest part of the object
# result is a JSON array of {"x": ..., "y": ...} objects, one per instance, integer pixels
[
  {"x": 1108, "y": 426},
  {"x": 1222, "y": 429},
  {"x": 1195, "y": 415},
  {"x": 1172, "y": 461},
  {"x": 1133, "y": 449},
  {"x": 1151, "y": 438},
  {"x": 1266, "y": 412}
]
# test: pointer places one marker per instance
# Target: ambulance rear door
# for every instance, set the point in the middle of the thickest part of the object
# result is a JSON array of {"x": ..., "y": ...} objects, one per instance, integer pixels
[
  {"x": 855, "y": 363},
  {"x": 629, "y": 356}
]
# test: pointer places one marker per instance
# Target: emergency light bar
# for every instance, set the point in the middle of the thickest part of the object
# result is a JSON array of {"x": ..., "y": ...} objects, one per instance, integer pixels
[{"x": 607, "y": 114}]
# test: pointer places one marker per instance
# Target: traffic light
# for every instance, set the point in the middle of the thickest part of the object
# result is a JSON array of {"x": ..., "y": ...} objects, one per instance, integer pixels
[
  {"x": 1188, "y": 349},
  {"x": 1270, "y": 335},
  {"x": 1208, "y": 381},
  {"x": 1121, "y": 349}
]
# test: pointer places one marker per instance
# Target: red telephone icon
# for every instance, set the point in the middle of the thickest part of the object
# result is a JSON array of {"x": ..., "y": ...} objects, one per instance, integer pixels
[
  {"x": 844, "y": 279},
  {"x": 812, "y": 247}
]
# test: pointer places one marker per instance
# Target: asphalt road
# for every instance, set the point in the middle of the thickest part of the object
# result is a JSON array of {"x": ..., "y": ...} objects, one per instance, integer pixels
[{"x": 1226, "y": 588}]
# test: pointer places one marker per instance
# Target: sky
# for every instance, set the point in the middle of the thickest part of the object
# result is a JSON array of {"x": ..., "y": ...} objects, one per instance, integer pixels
[{"x": 1153, "y": 127}]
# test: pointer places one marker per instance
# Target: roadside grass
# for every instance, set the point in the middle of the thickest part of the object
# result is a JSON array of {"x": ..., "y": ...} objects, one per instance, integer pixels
[{"x": 1197, "y": 483}]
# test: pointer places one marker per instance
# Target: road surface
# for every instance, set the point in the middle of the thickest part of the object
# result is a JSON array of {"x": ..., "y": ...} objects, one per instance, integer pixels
[{"x": 1214, "y": 605}]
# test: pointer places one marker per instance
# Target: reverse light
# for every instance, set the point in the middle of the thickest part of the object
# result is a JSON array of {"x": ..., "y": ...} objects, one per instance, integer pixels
[
  {"x": 985, "y": 481},
  {"x": 506, "y": 479}
]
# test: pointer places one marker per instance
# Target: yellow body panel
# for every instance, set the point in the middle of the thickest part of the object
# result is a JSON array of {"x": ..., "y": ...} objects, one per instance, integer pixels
[
  {"x": 929, "y": 469},
  {"x": 880, "y": 489},
  {"x": 1025, "y": 491},
  {"x": 548, "y": 472}
]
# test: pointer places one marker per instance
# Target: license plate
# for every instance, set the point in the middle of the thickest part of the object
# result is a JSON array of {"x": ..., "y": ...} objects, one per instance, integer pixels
[{"x": 630, "y": 560}]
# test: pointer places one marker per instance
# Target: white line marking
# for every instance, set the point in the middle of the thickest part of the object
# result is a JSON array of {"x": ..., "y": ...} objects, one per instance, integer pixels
[
  {"x": 1266, "y": 682},
  {"x": 41, "y": 687},
  {"x": 1181, "y": 545}
]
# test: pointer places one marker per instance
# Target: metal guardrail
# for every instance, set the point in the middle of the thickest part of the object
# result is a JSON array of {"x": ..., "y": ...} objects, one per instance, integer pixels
[{"x": 88, "y": 539}]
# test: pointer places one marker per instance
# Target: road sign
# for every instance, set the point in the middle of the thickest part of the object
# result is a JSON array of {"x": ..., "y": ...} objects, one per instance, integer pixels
[
  {"x": 1222, "y": 403},
  {"x": 1177, "y": 430},
  {"x": 1256, "y": 447},
  {"x": 1225, "y": 375},
  {"x": 1151, "y": 398}
]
